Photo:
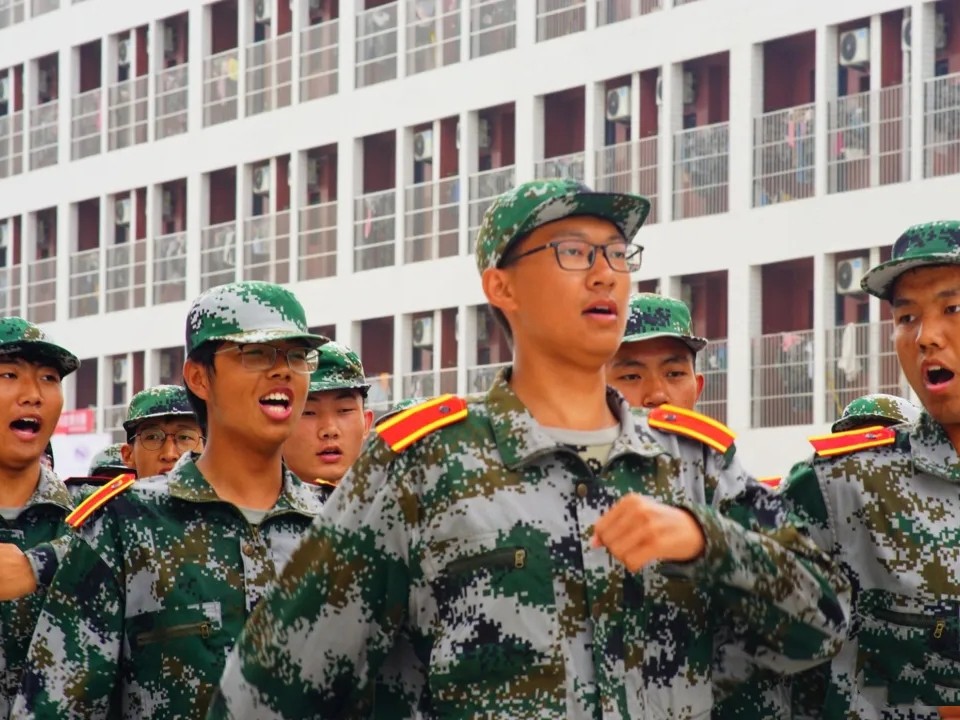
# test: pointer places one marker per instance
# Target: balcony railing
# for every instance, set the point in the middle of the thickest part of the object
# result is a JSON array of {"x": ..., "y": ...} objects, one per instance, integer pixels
[
  {"x": 861, "y": 359},
  {"x": 318, "y": 241},
  {"x": 374, "y": 230},
  {"x": 432, "y": 222},
  {"x": 782, "y": 370},
  {"x": 266, "y": 248},
  {"x": 433, "y": 35},
  {"x": 86, "y": 113},
  {"x": 941, "y": 126},
  {"x": 12, "y": 13},
  {"x": 221, "y": 73},
  {"x": 376, "y": 45},
  {"x": 563, "y": 166},
  {"x": 493, "y": 26},
  {"x": 701, "y": 171},
  {"x": 11, "y": 299},
  {"x": 556, "y": 18},
  {"x": 42, "y": 290},
  {"x": 866, "y": 152},
  {"x": 631, "y": 167},
  {"x": 270, "y": 75},
  {"x": 429, "y": 383},
  {"x": 172, "y": 93},
  {"x": 126, "y": 282},
  {"x": 481, "y": 377},
  {"x": 44, "y": 134},
  {"x": 11, "y": 144},
  {"x": 784, "y": 147},
  {"x": 613, "y": 11},
  {"x": 85, "y": 283},
  {"x": 128, "y": 112},
  {"x": 712, "y": 363},
  {"x": 218, "y": 255},
  {"x": 170, "y": 268},
  {"x": 484, "y": 187},
  {"x": 319, "y": 63}
]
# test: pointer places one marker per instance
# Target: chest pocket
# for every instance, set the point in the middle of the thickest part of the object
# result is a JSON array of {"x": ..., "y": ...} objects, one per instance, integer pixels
[
  {"x": 495, "y": 618},
  {"x": 176, "y": 655},
  {"x": 912, "y": 649}
]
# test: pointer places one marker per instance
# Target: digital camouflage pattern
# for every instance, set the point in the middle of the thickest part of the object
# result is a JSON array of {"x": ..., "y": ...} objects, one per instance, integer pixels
[
  {"x": 889, "y": 515},
  {"x": 107, "y": 461},
  {"x": 339, "y": 369},
  {"x": 465, "y": 562},
  {"x": 876, "y": 409},
  {"x": 40, "y": 521},
  {"x": 151, "y": 596},
  {"x": 157, "y": 402},
  {"x": 22, "y": 337},
  {"x": 932, "y": 243},
  {"x": 529, "y": 205},
  {"x": 247, "y": 312},
  {"x": 655, "y": 316}
]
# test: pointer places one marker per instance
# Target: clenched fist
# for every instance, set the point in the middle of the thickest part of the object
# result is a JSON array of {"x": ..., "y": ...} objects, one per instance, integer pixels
[
  {"x": 639, "y": 530},
  {"x": 16, "y": 575}
]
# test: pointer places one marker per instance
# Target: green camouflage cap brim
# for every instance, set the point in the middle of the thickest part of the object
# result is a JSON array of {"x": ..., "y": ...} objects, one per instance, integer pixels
[
  {"x": 108, "y": 459},
  {"x": 933, "y": 243},
  {"x": 526, "y": 207},
  {"x": 157, "y": 402},
  {"x": 19, "y": 337},
  {"x": 339, "y": 369},
  {"x": 876, "y": 409},
  {"x": 656, "y": 316},
  {"x": 248, "y": 312}
]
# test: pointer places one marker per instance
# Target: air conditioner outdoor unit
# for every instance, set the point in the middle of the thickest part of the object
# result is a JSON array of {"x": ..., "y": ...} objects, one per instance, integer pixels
[
  {"x": 169, "y": 40},
  {"x": 121, "y": 212},
  {"x": 167, "y": 205},
  {"x": 261, "y": 11},
  {"x": 940, "y": 33},
  {"x": 618, "y": 104},
  {"x": 689, "y": 88},
  {"x": 855, "y": 47},
  {"x": 423, "y": 332},
  {"x": 423, "y": 146},
  {"x": 316, "y": 5},
  {"x": 850, "y": 273},
  {"x": 119, "y": 371},
  {"x": 4, "y": 89},
  {"x": 313, "y": 172},
  {"x": 43, "y": 82},
  {"x": 261, "y": 180},
  {"x": 124, "y": 51}
]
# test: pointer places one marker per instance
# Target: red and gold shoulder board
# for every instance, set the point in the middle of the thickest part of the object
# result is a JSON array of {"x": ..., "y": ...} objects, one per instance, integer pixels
[
  {"x": 98, "y": 499},
  {"x": 408, "y": 426},
  {"x": 320, "y": 482},
  {"x": 693, "y": 425},
  {"x": 771, "y": 482},
  {"x": 849, "y": 441}
]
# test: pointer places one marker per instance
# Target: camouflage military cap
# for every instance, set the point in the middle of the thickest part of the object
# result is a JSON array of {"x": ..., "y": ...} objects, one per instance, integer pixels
[
  {"x": 247, "y": 312},
  {"x": 933, "y": 243},
  {"x": 20, "y": 337},
  {"x": 876, "y": 409},
  {"x": 107, "y": 459},
  {"x": 655, "y": 316},
  {"x": 157, "y": 402},
  {"x": 339, "y": 369},
  {"x": 526, "y": 207}
]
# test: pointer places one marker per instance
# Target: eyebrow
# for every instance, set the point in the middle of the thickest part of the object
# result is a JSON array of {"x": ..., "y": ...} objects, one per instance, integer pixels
[
  {"x": 942, "y": 295},
  {"x": 632, "y": 362},
  {"x": 580, "y": 235}
]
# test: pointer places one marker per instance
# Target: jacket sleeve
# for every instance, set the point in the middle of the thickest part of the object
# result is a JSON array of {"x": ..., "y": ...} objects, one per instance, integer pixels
[
  {"x": 318, "y": 639},
  {"x": 46, "y": 557},
  {"x": 72, "y": 665},
  {"x": 786, "y": 600}
]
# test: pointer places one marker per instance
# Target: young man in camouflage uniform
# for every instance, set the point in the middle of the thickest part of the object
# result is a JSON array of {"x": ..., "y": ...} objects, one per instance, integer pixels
[
  {"x": 161, "y": 427},
  {"x": 885, "y": 504},
  {"x": 33, "y": 501},
  {"x": 163, "y": 572},
  {"x": 335, "y": 422},
  {"x": 469, "y": 533},
  {"x": 656, "y": 361}
]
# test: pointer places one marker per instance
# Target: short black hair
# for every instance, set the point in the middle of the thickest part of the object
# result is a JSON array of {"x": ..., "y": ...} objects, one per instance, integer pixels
[{"x": 203, "y": 356}]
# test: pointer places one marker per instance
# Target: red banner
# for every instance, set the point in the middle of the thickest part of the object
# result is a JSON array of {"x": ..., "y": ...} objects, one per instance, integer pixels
[{"x": 76, "y": 422}]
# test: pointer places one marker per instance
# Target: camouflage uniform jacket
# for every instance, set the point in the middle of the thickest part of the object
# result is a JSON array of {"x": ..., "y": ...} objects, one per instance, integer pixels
[
  {"x": 151, "y": 596},
  {"x": 473, "y": 547},
  {"x": 40, "y": 520},
  {"x": 890, "y": 516}
]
